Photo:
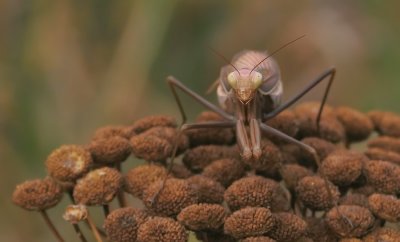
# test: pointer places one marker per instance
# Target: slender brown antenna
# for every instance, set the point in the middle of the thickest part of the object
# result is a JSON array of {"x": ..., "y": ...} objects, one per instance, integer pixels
[
  {"x": 223, "y": 58},
  {"x": 274, "y": 52}
]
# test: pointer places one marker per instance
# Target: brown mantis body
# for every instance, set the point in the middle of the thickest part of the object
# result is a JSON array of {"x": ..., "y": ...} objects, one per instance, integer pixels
[{"x": 249, "y": 93}]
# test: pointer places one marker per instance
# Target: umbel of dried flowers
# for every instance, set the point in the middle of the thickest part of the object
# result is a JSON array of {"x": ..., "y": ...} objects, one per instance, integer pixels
[{"x": 214, "y": 195}]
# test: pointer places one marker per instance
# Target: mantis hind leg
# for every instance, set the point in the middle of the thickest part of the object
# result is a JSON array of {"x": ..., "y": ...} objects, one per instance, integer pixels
[
  {"x": 328, "y": 73},
  {"x": 313, "y": 152}
]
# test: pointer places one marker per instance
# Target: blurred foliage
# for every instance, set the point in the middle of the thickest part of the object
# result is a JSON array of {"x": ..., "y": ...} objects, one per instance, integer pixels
[{"x": 68, "y": 67}]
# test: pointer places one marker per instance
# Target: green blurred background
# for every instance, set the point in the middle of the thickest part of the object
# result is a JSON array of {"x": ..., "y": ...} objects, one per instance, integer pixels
[{"x": 68, "y": 67}]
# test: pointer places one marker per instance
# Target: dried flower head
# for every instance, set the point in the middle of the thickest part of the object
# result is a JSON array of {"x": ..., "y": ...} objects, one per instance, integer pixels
[
  {"x": 386, "y": 143},
  {"x": 139, "y": 178},
  {"x": 98, "y": 187},
  {"x": 253, "y": 191},
  {"x": 151, "y": 147},
  {"x": 354, "y": 199},
  {"x": 149, "y": 122},
  {"x": 318, "y": 230},
  {"x": 175, "y": 195},
  {"x": 258, "y": 239},
  {"x": 39, "y": 194},
  {"x": 207, "y": 189},
  {"x": 68, "y": 163},
  {"x": 218, "y": 136},
  {"x": 383, "y": 176},
  {"x": 112, "y": 131},
  {"x": 285, "y": 122},
  {"x": 386, "y": 207},
  {"x": 312, "y": 191},
  {"x": 270, "y": 158},
  {"x": 159, "y": 229},
  {"x": 358, "y": 126},
  {"x": 203, "y": 216},
  {"x": 288, "y": 227},
  {"x": 329, "y": 127},
  {"x": 214, "y": 236},
  {"x": 293, "y": 173},
  {"x": 349, "y": 220},
  {"x": 171, "y": 135},
  {"x": 321, "y": 146},
  {"x": 111, "y": 150},
  {"x": 350, "y": 240},
  {"x": 75, "y": 213},
  {"x": 250, "y": 221},
  {"x": 122, "y": 224},
  {"x": 180, "y": 171},
  {"x": 343, "y": 167},
  {"x": 383, "y": 234},
  {"x": 386, "y": 123},
  {"x": 383, "y": 154},
  {"x": 198, "y": 158},
  {"x": 281, "y": 200},
  {"x": 225, "y": 171}
]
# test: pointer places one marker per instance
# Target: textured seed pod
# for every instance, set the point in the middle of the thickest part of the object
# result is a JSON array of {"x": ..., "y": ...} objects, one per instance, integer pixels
[
  {"x": 171, "y": 135},
  {"x": 269, "y": 161},
  {"x": 98, "y": 187},
  {"x": 175, "y": 195},
  {"x": 212, "y": 236},
  {"x": 329, "y": 129},
  {"x": 258, "y": 239},
  {"x": 139, "y": 178},
  {"x": 225, "y": 171},
  {"x": 253, "y": 191},
  {"x": 288, "y": 227},
  {"x": 312, "y": 191},
  {"x": 75, "y": 213},
  {"x": 365, "y": 190},
  {"x": 180, "y": 171},
  {"x": 110, "y": 131},
  {"x": 158, "y": 229},
  {"x": 383, "y": 176},
  {"x": 149, "y": 122},
  {"x": 198, "y": 158},
  {"x": 322, "y": 147},
  {"x": 250, "y": 221},
  {"x": 281, "y": 200},
  {"x": 343, "y": 167},
  {"x": 383, "y": 234},
  {"x": 381, "y": 154},
  {"x": 68, "y": 163},
  {"x": 386, "y": 143},
  {"x": 386, "y": 207},
  {"x": 111, "y": 150},
  {"x": 349, "y": 221},
  {"x": 207, "y": 189},
  {"x": 122, "y": 224},
  {"x": 219, "y": 136},
  {"x": 285, "y": 122},
  {"x": 386, "y": 123},
  {"x": 293, "y": 173},
  {"x": 38, "y": 194},
  {"x": 354, "y": 199},
  {"x": 198, "y": 217},
  {"x": 151, "y": 148},
  {"x": 318, "y": 230},
  {"x": 358, "y": 126},
  {"x": 350, "y": 240}
]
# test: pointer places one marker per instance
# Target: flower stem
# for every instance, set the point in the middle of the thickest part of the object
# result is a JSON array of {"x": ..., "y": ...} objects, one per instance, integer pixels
[{"x": 51, "y": 225}]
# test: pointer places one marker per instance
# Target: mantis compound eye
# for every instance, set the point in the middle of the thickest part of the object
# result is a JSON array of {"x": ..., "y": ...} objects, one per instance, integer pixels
[
  {"x": 256, "y": 79},
  {"x": 232, "y": 79}
]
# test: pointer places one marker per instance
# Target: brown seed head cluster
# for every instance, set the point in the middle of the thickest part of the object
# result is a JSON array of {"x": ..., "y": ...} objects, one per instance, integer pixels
[
  {"x": 98, "y": 187},
  {"x": 122, "y": 224},
  {"x": 38, "y": 194},
  {"x": 159, "y": 229},
  {"x": 68, "y": 163},
  {"x": 336, "y": 193}
]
